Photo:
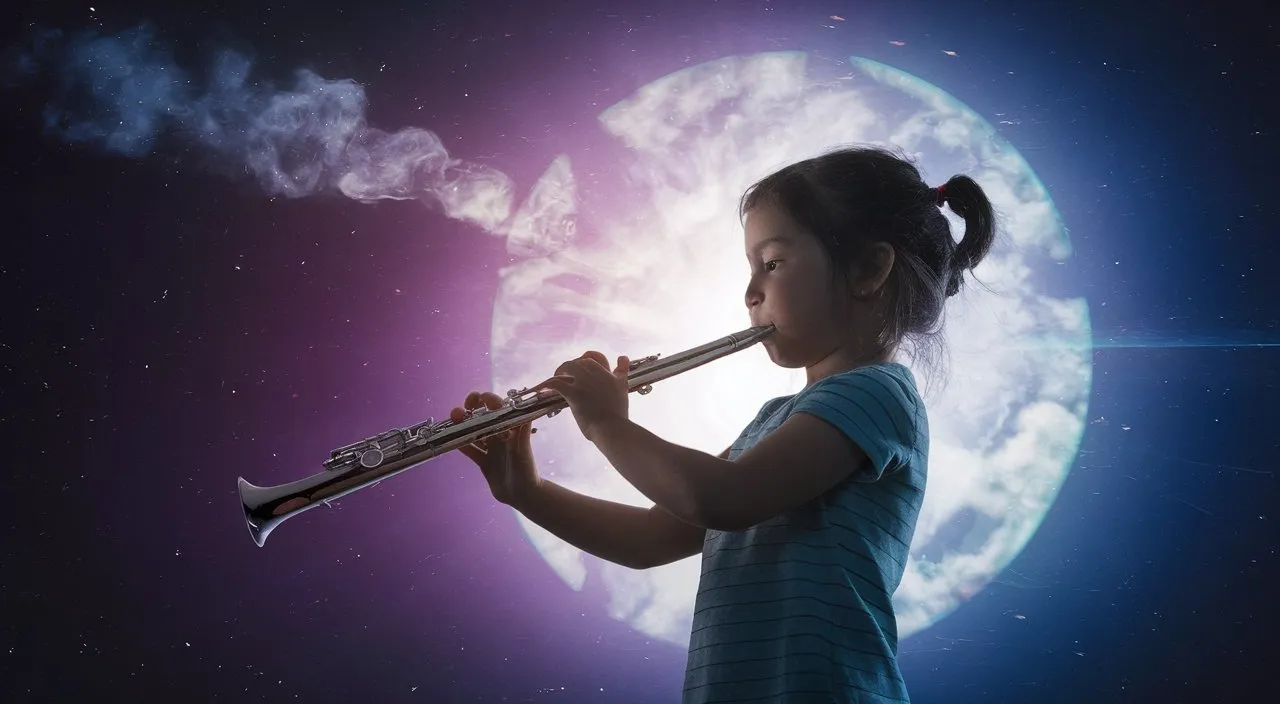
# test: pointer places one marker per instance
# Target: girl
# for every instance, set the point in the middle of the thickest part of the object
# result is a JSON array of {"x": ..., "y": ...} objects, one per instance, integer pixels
[{"x": 804, "y": 523}]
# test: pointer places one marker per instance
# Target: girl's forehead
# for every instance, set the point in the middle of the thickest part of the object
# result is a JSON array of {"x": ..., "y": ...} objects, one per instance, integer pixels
[
  {"x": 768, "y": 226},
  {"x": 764, "y": 214},
  {"x": 764, "y": 221}
]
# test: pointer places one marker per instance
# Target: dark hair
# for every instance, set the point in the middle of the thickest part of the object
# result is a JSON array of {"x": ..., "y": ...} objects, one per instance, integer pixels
[{"x": 854, "y": 196}]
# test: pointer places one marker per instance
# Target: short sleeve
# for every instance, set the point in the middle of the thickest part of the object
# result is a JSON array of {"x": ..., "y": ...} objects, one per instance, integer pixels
[
  {"x": 876, "y": 407},
  {"x": 743, "y": 442}
]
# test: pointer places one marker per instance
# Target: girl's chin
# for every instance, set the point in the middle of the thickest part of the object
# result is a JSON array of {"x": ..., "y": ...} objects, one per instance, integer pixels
[{"x": 771, "y": 347}]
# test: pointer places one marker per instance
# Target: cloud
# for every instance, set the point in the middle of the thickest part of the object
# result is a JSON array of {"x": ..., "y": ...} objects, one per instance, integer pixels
[{"x": 126, "y": 94}]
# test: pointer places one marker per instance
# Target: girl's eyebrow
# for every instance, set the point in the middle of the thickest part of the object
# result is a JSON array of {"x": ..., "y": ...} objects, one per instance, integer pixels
[{"x": 776, "y": 238}]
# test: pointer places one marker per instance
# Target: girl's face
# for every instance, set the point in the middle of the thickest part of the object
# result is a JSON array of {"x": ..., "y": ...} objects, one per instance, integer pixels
[{"x": 790, "y": 287}]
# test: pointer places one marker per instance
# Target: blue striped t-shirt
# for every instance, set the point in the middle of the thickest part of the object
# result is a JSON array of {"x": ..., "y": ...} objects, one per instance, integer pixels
[{"x": 798, "y": 608}]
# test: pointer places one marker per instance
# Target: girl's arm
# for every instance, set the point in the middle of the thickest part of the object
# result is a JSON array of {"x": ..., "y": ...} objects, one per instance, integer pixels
[{"x": 626, "y": 535}]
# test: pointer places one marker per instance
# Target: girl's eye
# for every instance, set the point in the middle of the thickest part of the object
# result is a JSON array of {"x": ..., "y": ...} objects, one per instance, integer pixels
[{"x": 771, "y": 261}]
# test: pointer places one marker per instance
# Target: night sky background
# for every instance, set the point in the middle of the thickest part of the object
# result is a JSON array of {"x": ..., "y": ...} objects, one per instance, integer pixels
[{"x": 167, "y": 327}]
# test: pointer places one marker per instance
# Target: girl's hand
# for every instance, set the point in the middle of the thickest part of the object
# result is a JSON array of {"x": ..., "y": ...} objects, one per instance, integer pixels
[
  {"x": 596, "y": 395},
  {"x": 505, "y": 459}
]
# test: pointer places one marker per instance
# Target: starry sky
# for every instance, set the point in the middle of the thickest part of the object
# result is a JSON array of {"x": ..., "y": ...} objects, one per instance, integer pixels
[{"x": 170, "y": 323}]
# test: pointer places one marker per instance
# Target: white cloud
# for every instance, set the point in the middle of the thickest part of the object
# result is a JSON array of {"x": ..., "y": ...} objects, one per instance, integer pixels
[{"x": 667, "y": 272}]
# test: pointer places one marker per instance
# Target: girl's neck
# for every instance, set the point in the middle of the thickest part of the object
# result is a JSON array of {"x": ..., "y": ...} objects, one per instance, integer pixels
[{"x": 846, "y": 359}]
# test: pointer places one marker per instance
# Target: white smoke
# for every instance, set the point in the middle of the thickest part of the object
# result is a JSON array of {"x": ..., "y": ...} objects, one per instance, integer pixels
[{"x": 124, "y": 93}]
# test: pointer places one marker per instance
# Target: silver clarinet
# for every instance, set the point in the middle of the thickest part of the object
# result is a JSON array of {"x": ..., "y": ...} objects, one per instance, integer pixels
[{"x": 376, "y": 458}]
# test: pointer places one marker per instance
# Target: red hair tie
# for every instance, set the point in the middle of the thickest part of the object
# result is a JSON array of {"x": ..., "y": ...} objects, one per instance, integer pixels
[{"x": 942, "y": 194}]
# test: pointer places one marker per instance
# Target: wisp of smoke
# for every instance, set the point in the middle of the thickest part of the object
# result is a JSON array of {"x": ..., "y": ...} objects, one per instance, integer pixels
[{"x": 123, "y": 91}]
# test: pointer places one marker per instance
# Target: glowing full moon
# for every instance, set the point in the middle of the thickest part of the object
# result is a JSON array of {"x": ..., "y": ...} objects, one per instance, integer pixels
[{"x": 655, "y": 264}]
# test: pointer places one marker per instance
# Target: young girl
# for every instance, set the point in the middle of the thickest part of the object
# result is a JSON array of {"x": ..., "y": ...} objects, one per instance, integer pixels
[{"x": 804, "y": 523}]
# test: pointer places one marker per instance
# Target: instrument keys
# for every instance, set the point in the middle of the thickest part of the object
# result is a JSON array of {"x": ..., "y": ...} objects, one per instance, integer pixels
[{"x": 371, "y": 458}]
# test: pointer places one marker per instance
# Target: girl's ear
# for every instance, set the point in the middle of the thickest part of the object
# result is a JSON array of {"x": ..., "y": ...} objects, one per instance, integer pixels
[
  {"x": 878, "y": 263},
  {"x": 867, "y": 277}
]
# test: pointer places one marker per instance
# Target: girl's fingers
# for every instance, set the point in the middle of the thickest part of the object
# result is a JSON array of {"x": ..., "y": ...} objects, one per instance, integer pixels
[{"x": 472, "y": 453}]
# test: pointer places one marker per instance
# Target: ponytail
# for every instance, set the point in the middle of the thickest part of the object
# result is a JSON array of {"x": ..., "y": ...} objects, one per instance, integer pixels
[{"x": 967, "y": 200}]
